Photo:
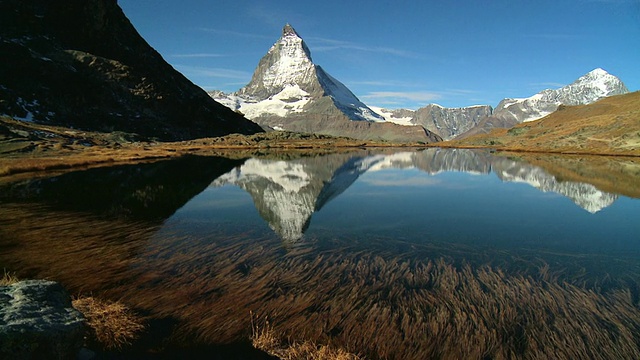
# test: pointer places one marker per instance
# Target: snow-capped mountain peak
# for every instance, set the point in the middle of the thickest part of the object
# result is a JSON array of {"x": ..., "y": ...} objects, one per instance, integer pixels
[
  {"x": 600, "y": 82},
  {"x": 288, "y": 30},
  {"x": 596, "y": 73},
  {"x": 287, "y": 66},
  {"x": 287, "y": 63}
]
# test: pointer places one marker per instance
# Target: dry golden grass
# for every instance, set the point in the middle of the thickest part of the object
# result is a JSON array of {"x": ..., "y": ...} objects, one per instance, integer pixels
[
  {"x": 111, "y": 324},
  {"x": 8, "y": 278},
  {"x": 610, "y": 126},
  {"x": 264, "y": 337}
]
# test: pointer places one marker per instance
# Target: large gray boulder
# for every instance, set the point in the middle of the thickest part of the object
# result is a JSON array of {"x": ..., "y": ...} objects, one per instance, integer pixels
[{"x": 37, "y": 321}]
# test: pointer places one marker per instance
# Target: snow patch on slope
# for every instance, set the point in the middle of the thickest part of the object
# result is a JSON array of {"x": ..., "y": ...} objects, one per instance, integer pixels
[
  {"x": 389, "y": 116},
  {"x": 291, "y": 99}
]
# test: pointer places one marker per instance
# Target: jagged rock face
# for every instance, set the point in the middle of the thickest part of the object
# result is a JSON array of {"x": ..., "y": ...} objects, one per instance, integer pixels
[
  {"x": 449, "y": 122},
  {"x": 82, "y": 64},
  {"x": 485, "y": 125},
  {"x": 37, "y": 321},
  {"x": 445, "y": 122},
  {"x": 289, "y": 92},
  {"x": 589, "y": 88}
]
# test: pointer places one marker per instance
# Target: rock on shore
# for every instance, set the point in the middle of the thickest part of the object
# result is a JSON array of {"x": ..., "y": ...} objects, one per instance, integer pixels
[{"x": 38, "y": 321}]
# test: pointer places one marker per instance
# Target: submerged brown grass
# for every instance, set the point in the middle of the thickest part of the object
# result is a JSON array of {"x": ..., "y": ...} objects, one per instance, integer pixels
[
  {"x": 380, "y": 304},
  {"x": 111, "y": 324}
]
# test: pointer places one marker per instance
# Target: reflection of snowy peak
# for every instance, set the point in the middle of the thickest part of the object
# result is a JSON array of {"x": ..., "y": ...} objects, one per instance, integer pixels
[
  {"x": 287, "y": 81},
  {"x": 282, "y": 192},
  {"x": 586, "y": 196},
  {"x": 589, "y": 88},
  {"x": 287, "y": 193}
]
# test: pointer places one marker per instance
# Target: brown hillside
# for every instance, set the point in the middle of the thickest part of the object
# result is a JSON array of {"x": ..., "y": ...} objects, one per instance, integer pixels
[{"x": 610, "y": 126}]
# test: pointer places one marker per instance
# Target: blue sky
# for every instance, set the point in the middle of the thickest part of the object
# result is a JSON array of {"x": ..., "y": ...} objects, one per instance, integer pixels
[{"x": 403, "y": 54}]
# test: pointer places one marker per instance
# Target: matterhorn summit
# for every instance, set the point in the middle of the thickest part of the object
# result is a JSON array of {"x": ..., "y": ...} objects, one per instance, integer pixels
[
  {"x": 287, "y": 65},
  {"x": 289, "y": 92},
  {"x": 287, "y": 81}
]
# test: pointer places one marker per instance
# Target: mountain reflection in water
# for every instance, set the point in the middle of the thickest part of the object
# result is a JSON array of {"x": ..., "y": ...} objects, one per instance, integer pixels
[
  {"x": 287, "y": 193},
  {"x": 389, "y": 255}
]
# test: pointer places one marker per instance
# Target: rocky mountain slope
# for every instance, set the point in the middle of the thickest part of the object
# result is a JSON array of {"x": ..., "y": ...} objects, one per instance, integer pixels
[
  {"x": 609, "y": 126},
  {"x": 446, "y": 122},
  {"x": 289, "y": 92},
  {"x": 81, "y": 64},
  {"x": 591, "y": 87}
]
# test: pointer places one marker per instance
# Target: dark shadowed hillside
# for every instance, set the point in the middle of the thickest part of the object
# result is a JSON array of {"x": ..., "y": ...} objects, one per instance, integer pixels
[{"x": 81, "y": 64}]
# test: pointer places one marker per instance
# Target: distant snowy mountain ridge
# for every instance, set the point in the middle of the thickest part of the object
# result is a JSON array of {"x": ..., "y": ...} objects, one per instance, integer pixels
[
  {"x": 452, "y": 122},
  {"x": 589, "y": 88}
]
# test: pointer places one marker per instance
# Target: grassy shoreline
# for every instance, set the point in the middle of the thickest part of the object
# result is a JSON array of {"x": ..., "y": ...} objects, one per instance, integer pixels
[
  {"x": 32, "y": 148},
  {"x": 27, "y": 157}
]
